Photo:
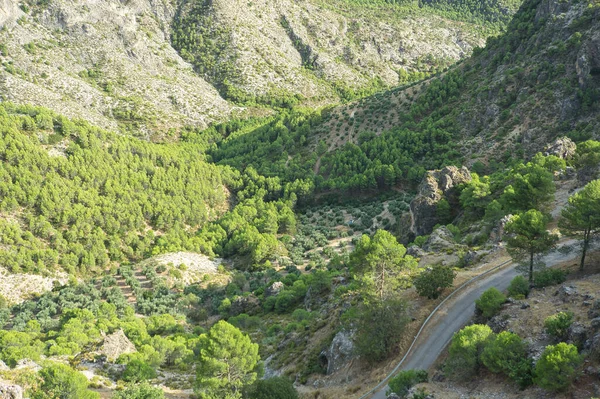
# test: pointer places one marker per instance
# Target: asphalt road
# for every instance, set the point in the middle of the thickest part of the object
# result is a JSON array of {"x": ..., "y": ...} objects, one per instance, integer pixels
[
  {"x": 453, "y": 316},
  {"x": 458, "y": 311}
]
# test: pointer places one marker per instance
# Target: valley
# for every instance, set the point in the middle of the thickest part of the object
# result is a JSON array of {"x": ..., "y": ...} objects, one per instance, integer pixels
[{"x": 268, "y": 199}]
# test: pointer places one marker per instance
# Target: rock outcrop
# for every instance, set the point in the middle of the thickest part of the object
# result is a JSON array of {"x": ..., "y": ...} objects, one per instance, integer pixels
[
  {"x": 245, "y": 304},
  {"x": 115, "y": 345},
  {"x": 439, "y": 240},
  {"x": 563, "y": 148},
  {"x": 340, "y": 352},
  {"x": 436, "y": 185},
  {"x": 274, "y": 289},
  {"x": 10, "y": 391}
]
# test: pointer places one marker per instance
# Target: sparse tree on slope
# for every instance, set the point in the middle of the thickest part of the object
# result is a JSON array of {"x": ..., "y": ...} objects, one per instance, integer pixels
[
  {"x": 530, "y": 237},
  {"x": 581, "y": 217}
]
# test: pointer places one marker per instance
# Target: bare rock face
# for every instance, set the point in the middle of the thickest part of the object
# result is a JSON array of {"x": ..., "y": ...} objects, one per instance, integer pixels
[
  {"x": 439, "y": 240},
  {"x": 340, "y": 352},
  {"x": 436, "y": 185},
  {"x": 10, "y": 391},
  {"x": 109, "y": 62},
  {"x": 115, "y": 345},
  {"x": 563, "y": 148},
  {"x": 274, "y": 289},
  {"x": 3, "y": 366}
]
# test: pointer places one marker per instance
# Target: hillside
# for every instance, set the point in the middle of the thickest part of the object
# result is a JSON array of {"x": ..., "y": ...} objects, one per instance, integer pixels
[
  {"x": 122, "y": 65},
  {"x": 108, "y": 62},
  {"x": 289, "y": 52},
  {"x": 536, "y": 82},
  {"x": 206, "y": 199}
]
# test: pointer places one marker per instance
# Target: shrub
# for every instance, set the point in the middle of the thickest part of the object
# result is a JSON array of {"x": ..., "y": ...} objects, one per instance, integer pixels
[
  {"x": 465, "y": 349},
  {"x": 401, "y": 383},
  {"x": 380, "y": 326},
  {"x": 137, "y": 371},
  {"x": 275, "y": 387},
  {"x": 549, "y": 277},
  {"x": 490, "y": 302},
  {"x": 141, "y": 391},
  {"x": 506, "y": 353},
  {"x": 432, "y": 282},
  {"x": 557, "y": 367},
  {"x": 519, "y": 286},
  {"x": 558, "y": 325},
  {"x": 61, "y": 381}
]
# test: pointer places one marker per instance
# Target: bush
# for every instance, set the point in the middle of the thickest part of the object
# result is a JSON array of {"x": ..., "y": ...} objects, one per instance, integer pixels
[
  {"x": 61, "y": 381},
  {"x": 519, "y": 286},
  {"x": 405, "y": 380},
  {"x": 276, "y": 387},
  {"x": 506, "y": 353},
  {"x": 141, "y": 391},
  {"x": 380, "y": 326},
  {"x": 549, "y": 277},
  {"x": 558, "y": 325},
  {"x": 490, "y": 302},
  {"x": 137, "y": 371},
  {"x": 557, "y": 367},
  {"x": 432, "y": 282},
  {"x": 465, "y": 350}
]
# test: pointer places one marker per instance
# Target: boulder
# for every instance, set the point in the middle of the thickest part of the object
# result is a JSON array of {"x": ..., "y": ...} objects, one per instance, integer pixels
[
  {"x": 567, "y": 293},
  {"x": 436, "y": 185},
  {"x": 497, "y": 324},
  {"x": 440, "y": 240},
  {"x": 577, "y": 334},
  {"x": 415, "y": 251},
  {"x": 274, "y": 289},
  {"x": 340, "y": 352},
  {"x": 563, "y": 148},
  {"x": 27, "y": 364},
  {"x": 115, "y": 345},
  {"x": 10, "y": 391},
  {"x": 497, "y": 233}
]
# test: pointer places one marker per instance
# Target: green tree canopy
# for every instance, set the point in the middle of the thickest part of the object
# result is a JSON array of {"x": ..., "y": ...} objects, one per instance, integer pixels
[
  {"x": 529, "y": 237},
  {"x": 431, "y": 283},
  {"x": 558, "y": 366},
  {"x": 381, "y": 264},
  {"x": 581, "y": 217},
  {"x": 465, "y": 350},
  {"x": 141, "y": 391},
  {"x": 532, "y": 187},
  {"x": 228, "y": 362},
  {"x": 62, "y": 382},
  {"x": 271, "y": 388},
  {"x": 474, "y": 197},
  {"x": 506, "y": 353}
]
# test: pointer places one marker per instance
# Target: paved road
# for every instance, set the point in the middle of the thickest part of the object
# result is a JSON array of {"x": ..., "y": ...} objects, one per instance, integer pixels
[
  {"x": 452, "y": 317},
  {"x": 458, "y": 311}
]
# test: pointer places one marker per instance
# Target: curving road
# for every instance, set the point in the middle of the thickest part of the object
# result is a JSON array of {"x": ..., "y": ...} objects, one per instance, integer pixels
[{"x": 457, "y": 312}]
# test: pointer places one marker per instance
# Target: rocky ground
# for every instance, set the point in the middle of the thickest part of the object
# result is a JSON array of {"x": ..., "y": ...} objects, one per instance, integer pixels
[{"x": 109, "y": 62}]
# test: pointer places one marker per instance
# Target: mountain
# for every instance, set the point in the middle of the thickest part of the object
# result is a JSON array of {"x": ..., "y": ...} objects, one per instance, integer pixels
[
  {"x": 108, "y": 62},
  {"x": 538, "y": 81},
  {"x": 312, "y": 51},
  {"x": 124, "y": 65}
]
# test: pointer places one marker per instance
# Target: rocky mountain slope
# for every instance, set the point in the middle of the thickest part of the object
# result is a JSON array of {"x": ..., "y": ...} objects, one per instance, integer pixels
[
  {"x": 538, "y": 81},
  {"x": 109, "y": 62},
  {"x": 115, "y": 63},
  {"x": 316, "y": 50}
]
